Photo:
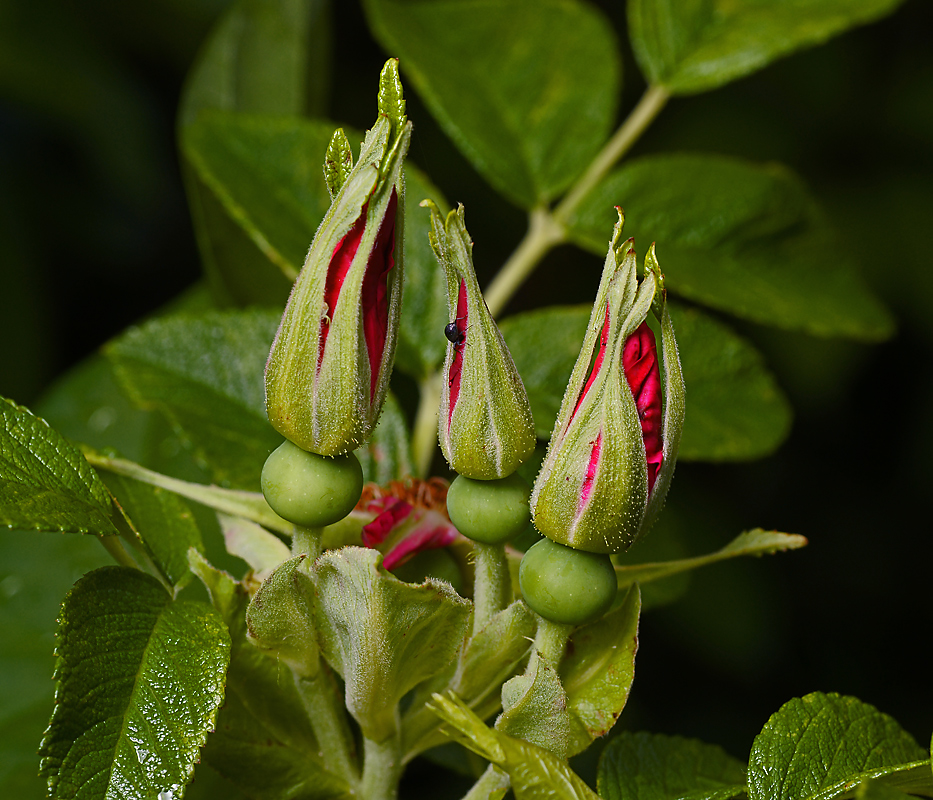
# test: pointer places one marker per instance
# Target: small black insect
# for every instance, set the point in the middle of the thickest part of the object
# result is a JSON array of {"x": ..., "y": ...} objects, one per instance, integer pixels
[{"x": 453, "y": 333}]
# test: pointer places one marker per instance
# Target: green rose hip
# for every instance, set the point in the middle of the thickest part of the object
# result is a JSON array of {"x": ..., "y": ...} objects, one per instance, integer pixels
[
  {"x": 308, "y": 489},
  {"x": 566, "y": 586},
  {"x": 491, "y": 512}
]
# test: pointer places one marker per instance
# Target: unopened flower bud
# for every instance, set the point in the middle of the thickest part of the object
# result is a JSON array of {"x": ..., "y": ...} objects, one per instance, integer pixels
[
  {"x": 330, "y": 363},
  {"x": 611, "y": 456},
  {"x": 485, "y": 425}
]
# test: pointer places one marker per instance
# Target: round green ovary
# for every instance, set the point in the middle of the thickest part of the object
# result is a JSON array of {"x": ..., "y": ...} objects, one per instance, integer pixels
[
  {"x": 565, "y": 585},
  {"x": 308, "y": 489},
  {"x": 490, "y": 512}
]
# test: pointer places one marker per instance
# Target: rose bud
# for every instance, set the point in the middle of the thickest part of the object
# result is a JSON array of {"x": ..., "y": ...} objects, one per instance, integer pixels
[
  {"x": 611, "y": 455},
  {"x": 330, "y": 363},
  {"x": 485, "y": 425}
]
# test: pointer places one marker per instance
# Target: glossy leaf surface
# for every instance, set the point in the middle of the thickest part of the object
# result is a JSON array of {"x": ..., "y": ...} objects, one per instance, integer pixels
[
  {"x": 134, "y": 722},
  {"x": 45, "y": 482},
  {"x": 697, "y": 45},
  {"x": 381, "y": 635},
  {"x": 735, "y": 410},
  {"x": 529, "y": 118},
  {"x": 645, "y": 766},
  {"x": 205, "y": 374},
  {"x": 740, "y": 237},
  {"x": 821, "y": 745}
]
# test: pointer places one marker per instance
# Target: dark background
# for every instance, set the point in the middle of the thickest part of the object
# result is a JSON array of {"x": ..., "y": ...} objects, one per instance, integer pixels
[{"x": 95, "y": 232}]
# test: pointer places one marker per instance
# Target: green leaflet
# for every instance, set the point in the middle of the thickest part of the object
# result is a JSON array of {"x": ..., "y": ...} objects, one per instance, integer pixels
[
  {"x": 696, "y": 45},
  {"x": 45, "y": 482},
  {"x": 644, "y": 766},
  {"x": 164, "y": 523},
  {"x": 598, "y": 670},
  {"x": 205, "y": 374},
  {"x": 529, "y": 118},
  {"x": 735, "y": 410},
  {"x": 36, "y": 570},
  {"x": 244, "y": 751},
  {"x": 132, "y": 722},
  {"x": 381, "y": 635},
  {"x": 740, "y": 237},
  {"x": 757, "y": 542},
  {"x": 535, "y": 773},
  {"x": 821, "y": 745},
  {"x": 262, "y": 57}
]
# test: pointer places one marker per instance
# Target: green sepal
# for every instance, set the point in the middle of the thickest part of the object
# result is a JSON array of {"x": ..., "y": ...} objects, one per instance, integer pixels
[
  {"x": 534, "y": 708},
  {"x": 322, "y": 391},
  {"x": 338, "y": 162},
  {"x": 604, "y": 507},
  {"x": 391, "y": 98},
  {"x": 381, "y": 635},
  {"x": 280, "y": 617},
  {"x": 535, "y": 773},
  {"x": 485, "y": 426}
]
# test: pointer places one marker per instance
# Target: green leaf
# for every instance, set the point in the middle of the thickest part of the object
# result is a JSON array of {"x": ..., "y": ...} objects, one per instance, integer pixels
[
  {"x": 381, "y": 635},
  {"x": 205, "y": 373},
  {"x": 821, "y": 745},
  {"x": 875, "y": 790},
  {"x": 735, "y": 410},
  {"x": 263, "y": 56},
  {"x": 697, "y": 45},
  {"x": 645, "y": 766},
  {"x": 598, "y": 671},
  {"x": 489, "y": 658},
  {"x": 264, "y": 686},
  {"x": 243, "y": 750},
  {"x": 756, "y": 542},
  {"x": 535, "y": 773},
  {"x": 387, "y": 455},
  {"x": 739, "y": 237},
  {"x": 263, "y": 551},
  {"x": 132, "y": 722},
  {"x": 529, "y": 117},
  {"x": 164, "y": 523},
  {"x": 36, "y": 571},
  {"x": 45, "y": 482}
]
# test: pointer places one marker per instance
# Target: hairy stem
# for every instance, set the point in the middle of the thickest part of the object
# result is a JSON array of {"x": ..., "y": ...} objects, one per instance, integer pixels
[
  {"x": 550, "y": 643},
  {"x": 492, "y": 780},
  {"x": 320, "y": 696},
  {"x": 492, "y": 589},
  {"x": 424, "y": 435},
  {"x": 307, "y": 541},
  {"x": 382, "y": 768}
]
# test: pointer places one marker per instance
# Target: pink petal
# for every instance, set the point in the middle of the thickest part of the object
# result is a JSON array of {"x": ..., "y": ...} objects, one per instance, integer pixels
[
  {"x": 431, "y": 532},
  {"x": 640, "y": 363}
]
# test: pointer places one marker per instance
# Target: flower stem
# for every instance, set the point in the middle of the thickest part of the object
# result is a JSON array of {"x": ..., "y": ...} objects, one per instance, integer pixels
[
  {"x": 382, "y": 768},
  {"x": 644, "y": 113},
  {"x": 424, "y": 435},
  {"x": 307, "y": 541},
  {"x": 543, "y": 234},
  {"x": 321, "y": 699},
  {"x": 491, "y": 781},
  {"x": 550, "y": 643},
  {"x": 492, "y": 589}
]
